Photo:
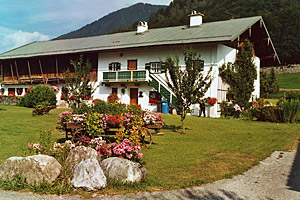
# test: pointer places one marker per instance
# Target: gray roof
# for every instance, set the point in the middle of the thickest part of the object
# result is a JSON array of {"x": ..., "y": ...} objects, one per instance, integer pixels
[{"x": 220, "y": 31}]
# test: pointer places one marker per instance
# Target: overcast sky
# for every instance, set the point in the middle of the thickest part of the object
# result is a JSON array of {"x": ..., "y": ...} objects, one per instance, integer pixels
[{"x": 25, "y": 21}]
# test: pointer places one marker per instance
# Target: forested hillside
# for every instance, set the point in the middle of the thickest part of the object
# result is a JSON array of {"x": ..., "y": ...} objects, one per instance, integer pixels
[
  {"x": 121, "y": 18},
  {"x": 282, "y": 18}
]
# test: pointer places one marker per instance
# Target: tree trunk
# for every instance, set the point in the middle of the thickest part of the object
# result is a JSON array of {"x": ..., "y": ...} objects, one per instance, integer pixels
[{"x": 183, "y": 128}]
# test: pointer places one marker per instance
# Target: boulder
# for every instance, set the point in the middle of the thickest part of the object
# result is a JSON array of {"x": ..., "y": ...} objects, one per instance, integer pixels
[
  {"x": 33, "y": 168},
  {"x": 123, "y": 170},
  {"x": 88, "y": 175},
  {"x": 79, "y": 154}
]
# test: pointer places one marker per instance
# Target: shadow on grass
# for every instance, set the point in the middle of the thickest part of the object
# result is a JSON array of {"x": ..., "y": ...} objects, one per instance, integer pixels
[
  {"x": 174, "y": 128},
  {"x": 294, "y": 176}
]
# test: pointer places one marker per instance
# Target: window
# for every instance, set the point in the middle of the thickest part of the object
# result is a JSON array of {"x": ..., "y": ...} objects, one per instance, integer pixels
[
  {"x": 154, "y": 67},
  {"x": 132, "y": 64},
  {"x": 114, "y": 91},
  {"x": 114, "y": 66},
  {"x": 11, "y": 92},
  {"x": 154, "y": 97}
]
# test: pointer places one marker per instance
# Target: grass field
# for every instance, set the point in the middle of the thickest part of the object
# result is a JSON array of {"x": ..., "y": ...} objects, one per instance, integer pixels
[
  {"x": 289, "y": 80},
  {"x": 211, "y": 149}
]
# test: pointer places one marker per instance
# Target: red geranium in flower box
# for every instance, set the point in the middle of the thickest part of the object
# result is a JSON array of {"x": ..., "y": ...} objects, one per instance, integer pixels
[
  {"x": 211, "y": 101},
  {"x": 151, "y": 100}
]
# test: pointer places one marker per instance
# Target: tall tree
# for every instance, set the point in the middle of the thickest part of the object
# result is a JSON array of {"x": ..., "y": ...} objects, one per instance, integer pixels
[
  {"x": 188, "y": 84},
  {"x": 78, "y": 86},
  {"x": 241, "y": 75}
]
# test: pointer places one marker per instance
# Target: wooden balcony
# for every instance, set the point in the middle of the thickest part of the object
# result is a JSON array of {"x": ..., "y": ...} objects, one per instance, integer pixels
[{"x": 126, "y": 76}]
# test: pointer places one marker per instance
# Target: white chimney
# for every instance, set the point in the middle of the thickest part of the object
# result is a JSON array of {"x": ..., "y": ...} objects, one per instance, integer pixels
[
  {"x": 195, "y": 18},
  {"x": 142, "y": 27}
]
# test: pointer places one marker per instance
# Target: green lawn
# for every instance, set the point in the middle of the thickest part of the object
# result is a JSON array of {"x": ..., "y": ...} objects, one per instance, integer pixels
[
  {"x": 211, "y": 149},
  {"x": 289, "y": 80}
]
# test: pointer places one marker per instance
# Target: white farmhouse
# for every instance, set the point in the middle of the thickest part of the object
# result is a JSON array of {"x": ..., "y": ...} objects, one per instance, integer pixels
[{"x": 129, "y": 64}]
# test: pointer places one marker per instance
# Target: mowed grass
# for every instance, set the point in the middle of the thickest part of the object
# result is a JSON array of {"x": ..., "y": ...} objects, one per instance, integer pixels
[
  {"x": 211, "y": 149},
  {"x": 288, "y": 80},
  {"x": 18, "y": 127}
]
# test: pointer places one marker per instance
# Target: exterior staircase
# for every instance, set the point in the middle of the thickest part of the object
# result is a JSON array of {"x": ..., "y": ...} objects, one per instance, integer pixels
[{"x": 161, "y": 86}]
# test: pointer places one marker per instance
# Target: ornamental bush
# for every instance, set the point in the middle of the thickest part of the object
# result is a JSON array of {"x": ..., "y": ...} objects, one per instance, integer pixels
[{"x": 41, "y": 94}]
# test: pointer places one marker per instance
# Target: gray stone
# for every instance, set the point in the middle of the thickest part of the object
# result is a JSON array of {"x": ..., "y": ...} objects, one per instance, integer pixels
[
  {"x": 33, "y": 168},
  {"x": 88, "y": 175},
  {"x": 79, "y": 154},
  {"x": 123, "y": 170}
]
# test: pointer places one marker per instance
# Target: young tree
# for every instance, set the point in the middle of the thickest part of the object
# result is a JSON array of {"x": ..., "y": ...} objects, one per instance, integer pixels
[
  {"x": 240, "y": 76},
  {"x": 268, "y": 83},
  {"x": 188, "y": 85},
  {"x": 78, "y": 86}
]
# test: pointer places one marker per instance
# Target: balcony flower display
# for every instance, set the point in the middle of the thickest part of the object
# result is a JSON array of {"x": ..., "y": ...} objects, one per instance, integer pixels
[{"x": 211, "y": 101}]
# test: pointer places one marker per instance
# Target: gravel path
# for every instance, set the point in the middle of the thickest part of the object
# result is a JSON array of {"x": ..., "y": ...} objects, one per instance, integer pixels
[{"x": 277, "y": 177}]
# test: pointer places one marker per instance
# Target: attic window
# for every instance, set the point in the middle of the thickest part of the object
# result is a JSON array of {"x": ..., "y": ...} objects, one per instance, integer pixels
[{"x": 114, "y": 66}]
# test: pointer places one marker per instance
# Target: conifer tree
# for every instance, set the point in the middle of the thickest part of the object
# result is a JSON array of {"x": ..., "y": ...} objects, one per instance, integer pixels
[{"x": 240, "y": 76}]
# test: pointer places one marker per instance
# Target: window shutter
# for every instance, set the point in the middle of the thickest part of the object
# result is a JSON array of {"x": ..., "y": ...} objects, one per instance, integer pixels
[
  {"x": 147, "y": 66},
  {"x": 163, "y": 67},
  {"x": 118, "y": 66}
]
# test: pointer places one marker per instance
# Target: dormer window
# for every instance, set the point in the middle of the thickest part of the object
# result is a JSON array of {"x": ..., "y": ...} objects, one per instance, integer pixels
[{"x": 114, "y": 66}]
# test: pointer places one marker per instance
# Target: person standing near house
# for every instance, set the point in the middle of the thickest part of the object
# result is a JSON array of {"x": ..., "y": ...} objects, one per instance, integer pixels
[{"x": 202, "y": 107}]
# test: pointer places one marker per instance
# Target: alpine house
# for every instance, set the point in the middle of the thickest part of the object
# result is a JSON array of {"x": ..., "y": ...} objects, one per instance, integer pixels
[{"x": 129, "y": 64}]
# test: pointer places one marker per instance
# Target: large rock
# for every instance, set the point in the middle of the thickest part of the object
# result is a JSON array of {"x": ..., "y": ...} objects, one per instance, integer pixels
[
  {"x": 88, "y": 175},
  {"x": 79, "y": 154},
  {"x": 33, "y": 168},
  {"x": 123, "y": 170}
]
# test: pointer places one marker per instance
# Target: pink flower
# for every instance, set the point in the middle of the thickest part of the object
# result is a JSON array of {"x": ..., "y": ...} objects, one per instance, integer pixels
[
  {"x": 30, "y": 144},
  {"x": 129, "y": 156},
  {"x": 140, "y": 155}
]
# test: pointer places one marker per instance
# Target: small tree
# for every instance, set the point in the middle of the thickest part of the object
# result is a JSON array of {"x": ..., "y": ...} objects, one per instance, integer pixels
[
  {"x": 240, "y": 76},
  {"x": 268, "y": 83},
  {"x": 78, "y": 86},
  {"x": 188, "y": 85}
]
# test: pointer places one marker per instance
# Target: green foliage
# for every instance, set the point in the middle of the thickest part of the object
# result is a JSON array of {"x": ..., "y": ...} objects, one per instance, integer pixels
[
  {"x": 40, "y": 95},
  {"x": 269, "y": 113},
  {"x": 78, "y": 87},
  {"x": 188, "y": 85},
  {"x": 282, "y": 18},
  {"x": 292, "y": 96},
  {"x": 291, "y": 110},
  {"x": 268, "y": 84},
  {"x": 241, "y": 78},
  {"x": 228, "y": 110}
]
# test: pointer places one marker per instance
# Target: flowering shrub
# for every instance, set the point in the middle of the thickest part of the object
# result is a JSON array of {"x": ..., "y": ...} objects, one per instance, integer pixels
[
  {"x": 94, "y": 123},
  {"x": 126, "y": 149},
  {"x": 211, "y": 101},
  {"x": 151, "y": 118},
  {"x": 113, "y": 97},
  {"x": 135, "y": 109},
  {"x": 114, "y": 120}
]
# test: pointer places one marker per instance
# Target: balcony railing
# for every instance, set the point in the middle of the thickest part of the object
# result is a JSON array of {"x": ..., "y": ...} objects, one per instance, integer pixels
[{"x": 119, "y": 76}]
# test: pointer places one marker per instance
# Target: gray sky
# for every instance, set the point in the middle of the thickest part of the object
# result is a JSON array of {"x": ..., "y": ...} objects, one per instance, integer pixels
[{"x": 24, "y": 21}]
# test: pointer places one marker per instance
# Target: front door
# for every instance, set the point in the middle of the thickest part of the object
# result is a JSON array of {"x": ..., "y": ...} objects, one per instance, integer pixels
[{"x": 134, "y": 99}]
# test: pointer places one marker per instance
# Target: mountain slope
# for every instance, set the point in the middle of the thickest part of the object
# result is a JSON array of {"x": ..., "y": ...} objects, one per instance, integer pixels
[{"x": 122, "y": 18}]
